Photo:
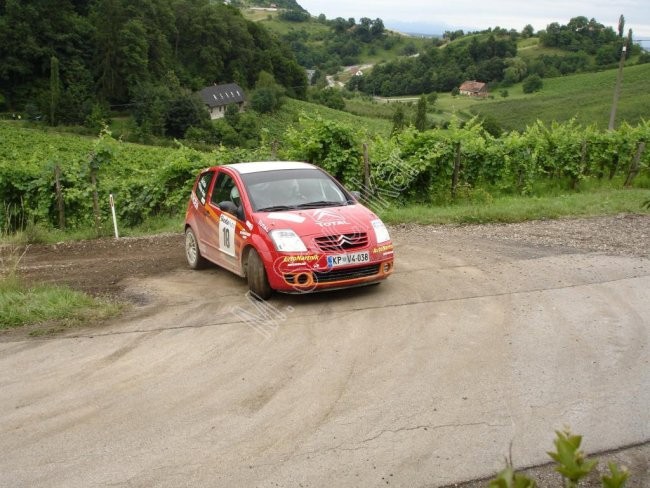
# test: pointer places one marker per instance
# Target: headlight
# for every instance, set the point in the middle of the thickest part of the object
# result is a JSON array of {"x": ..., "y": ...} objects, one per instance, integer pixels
[
  {"x": 381, "y": 232},
  {"x": 287, "y": 240}
]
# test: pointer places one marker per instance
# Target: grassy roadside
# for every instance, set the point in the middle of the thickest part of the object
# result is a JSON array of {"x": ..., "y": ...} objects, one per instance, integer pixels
[
  {"x": 477, "y": 208},
  {"x": 47, "y": 308},
  {"x": 519, "y": 209}
]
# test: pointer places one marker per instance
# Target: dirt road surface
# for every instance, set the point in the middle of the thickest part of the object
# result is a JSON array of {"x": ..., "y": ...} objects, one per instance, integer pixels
[{"x": 484, "y": 341}]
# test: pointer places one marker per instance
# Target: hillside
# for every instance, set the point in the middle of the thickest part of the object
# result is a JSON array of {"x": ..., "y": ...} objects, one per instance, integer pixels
[
  {"x": 329, "y": 44},
  {"x": 587, "y": 97},
  {"x": 129, "y": 56}
]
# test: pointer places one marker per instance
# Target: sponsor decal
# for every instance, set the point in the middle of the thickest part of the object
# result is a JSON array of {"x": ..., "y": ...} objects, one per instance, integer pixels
[
  {"x": 327, "y": 218},
  {"x": 245, "y": 234},
  {"x": 325, "y": 214},
  {"x": 249, "y": 224},
  {"x": 286, "y": 216},
  {"x": 331, "y": 224},
  {"x": 227, "y": 235},
  {"x": 301, "y": 258},
  {"x": 195, "y": 201},
  {"x": 387, "y": 247},
  {"x": 227, "y": 221},
  {"x": 263, "y": 226}
]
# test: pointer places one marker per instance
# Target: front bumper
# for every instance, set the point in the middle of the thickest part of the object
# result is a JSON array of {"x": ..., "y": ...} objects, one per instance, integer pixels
[{"x": 305, "y": 273}]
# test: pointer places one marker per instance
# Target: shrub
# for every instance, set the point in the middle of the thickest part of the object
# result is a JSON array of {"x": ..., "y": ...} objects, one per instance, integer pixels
[
  {"x": 532, "y": 84},
  {"x": 572, "y": 465}
]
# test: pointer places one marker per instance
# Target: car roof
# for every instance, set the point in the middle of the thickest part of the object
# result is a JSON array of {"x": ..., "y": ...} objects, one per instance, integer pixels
[{"x": 260, "y": 166}]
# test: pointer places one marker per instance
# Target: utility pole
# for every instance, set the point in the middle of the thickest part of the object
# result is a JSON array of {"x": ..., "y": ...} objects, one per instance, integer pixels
[{"x": 617, "y": 89}]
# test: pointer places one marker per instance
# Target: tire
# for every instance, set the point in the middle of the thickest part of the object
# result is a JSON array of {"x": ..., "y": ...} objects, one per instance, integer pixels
[
  {"x": 192, "y": 252},
  {"x": 258, "y": 282}
]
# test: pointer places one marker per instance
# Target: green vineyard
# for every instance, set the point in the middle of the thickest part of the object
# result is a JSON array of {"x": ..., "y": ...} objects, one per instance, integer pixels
[{"x": 64, "y": 181}]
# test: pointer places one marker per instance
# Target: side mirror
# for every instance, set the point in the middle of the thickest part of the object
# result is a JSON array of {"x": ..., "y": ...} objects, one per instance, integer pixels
[
  {"x": 228, "y": 206},
  {"x": 356, "y": 194},
  {"x": 231, "y": 208}
]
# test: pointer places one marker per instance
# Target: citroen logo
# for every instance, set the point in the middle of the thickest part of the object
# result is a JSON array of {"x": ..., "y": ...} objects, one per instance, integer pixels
[
  {"x": 326, "y": 215},
  {"x": 343, "y": 239}
]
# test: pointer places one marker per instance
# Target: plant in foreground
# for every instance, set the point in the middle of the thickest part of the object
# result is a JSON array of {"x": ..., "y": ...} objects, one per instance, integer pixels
[{"x": 571, "y": 464}]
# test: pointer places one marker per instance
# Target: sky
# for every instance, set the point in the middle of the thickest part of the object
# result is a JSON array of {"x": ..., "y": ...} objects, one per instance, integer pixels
[{"x": 435, "y": 17}]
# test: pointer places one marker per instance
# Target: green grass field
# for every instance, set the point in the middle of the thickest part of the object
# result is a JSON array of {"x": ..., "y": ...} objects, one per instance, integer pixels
[
  {"x": 587, "y": 97},
  {"x": 48, "y": 308},
  {"x": 291, "y": 111},
  {"x": 519, "y": 209},
  {"x": 271, "y": 21}
]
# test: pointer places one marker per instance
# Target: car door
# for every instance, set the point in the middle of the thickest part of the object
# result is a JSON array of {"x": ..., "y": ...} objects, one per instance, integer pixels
[
  {"x": 226, "y": 228},
  {"x": 201, "y": 219}
]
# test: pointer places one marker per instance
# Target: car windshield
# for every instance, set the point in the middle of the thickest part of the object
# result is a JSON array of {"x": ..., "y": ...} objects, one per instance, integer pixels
[{"x": 278, "y": 190}]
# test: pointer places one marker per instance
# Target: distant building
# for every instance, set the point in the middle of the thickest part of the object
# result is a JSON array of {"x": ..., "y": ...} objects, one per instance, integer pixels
[
  {"x": 218, "y": 97},
  {"x": 474, "y": 89},
  {"x": 355, "y": 71}
]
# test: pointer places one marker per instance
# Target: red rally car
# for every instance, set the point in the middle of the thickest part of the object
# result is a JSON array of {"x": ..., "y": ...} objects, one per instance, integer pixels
[{"x": 285, "y": 226}]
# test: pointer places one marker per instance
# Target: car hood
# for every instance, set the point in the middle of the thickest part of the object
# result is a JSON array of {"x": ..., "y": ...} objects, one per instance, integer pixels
[{"x": 318, "y": 221}]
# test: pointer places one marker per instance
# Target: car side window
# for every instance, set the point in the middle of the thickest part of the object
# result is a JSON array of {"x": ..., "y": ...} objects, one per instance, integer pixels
[
  {"x": 203, "y": 185},
  {"x": 225, "y": 190},
  {"x": 222, "y": 189}
]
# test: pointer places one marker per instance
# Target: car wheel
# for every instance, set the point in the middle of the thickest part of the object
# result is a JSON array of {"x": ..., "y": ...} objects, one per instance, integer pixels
[
  {"x": 192, "y": 253},
  {"x": 258, "y": 282}
]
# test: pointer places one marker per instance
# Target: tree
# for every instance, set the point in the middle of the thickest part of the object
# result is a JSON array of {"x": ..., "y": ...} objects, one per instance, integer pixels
[
  {"x": 267, "y": 97},
  {"x": 421, "y": 114},
  {"x": 398, "y": 118},
  {"x": 232, "y": 115},
  {"x": 532, "y": 84},
  {"x": 330, "y": 97},
  {"x": 339, "y": 25},
  {"x": 185, "y": 112},
  {"x": 621, "y": 26},
  {"x": 362, "y": 30},
  {"x": 377, "y": 29},
  {"x": 527, "y": 31},
  {"x": 629, "y": 44},
  {"x": 264, "y": 101},
  {"x": 55, "y": 89},
  {"x": 107, "y": 16},
  {"x": 133, "y": 52}
]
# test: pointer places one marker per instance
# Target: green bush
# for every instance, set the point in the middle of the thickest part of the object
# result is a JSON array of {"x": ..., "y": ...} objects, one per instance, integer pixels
[
  {"x": 532, "y": 84},
  {"x": 571, "y": 463}
]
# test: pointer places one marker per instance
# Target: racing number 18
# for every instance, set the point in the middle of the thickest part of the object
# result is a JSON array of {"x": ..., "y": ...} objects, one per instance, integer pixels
[
  {"x": 226, "y": 231},
  {"x": 226, "y": 237}
]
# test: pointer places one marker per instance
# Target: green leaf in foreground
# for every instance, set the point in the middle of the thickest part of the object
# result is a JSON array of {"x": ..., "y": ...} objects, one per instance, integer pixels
[
  {"x": 617, "y": 479},
  {"x": 572, "y": 464},
  {"x": 509, "y": 479}
]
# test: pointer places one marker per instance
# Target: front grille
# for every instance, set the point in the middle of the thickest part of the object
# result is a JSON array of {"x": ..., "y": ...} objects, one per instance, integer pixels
[
  {"x": 342, "y": 242},
  {"x": 346, "y": 273},
  {"x": 336, "y": 274}
]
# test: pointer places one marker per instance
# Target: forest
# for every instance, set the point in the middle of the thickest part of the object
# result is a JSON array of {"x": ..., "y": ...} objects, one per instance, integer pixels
[
  {"x": 63, "y": 60},
  {"x": 492, "y": 56}
]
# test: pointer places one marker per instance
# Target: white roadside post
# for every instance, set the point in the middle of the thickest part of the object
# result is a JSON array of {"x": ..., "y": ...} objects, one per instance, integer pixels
[{"x": 117, "y": 236}]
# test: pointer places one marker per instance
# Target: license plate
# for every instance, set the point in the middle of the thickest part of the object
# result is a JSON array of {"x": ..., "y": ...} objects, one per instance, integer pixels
[{"x": 348, "y": 259}]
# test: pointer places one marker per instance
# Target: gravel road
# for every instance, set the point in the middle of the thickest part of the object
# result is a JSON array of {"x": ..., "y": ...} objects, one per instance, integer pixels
[{"x": 484, "y": 341}]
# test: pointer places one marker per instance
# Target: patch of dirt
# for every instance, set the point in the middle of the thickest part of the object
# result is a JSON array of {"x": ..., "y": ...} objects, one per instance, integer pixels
[
  {"x": 99, "y": 266},
  {"x": 623, "y": 234}
]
